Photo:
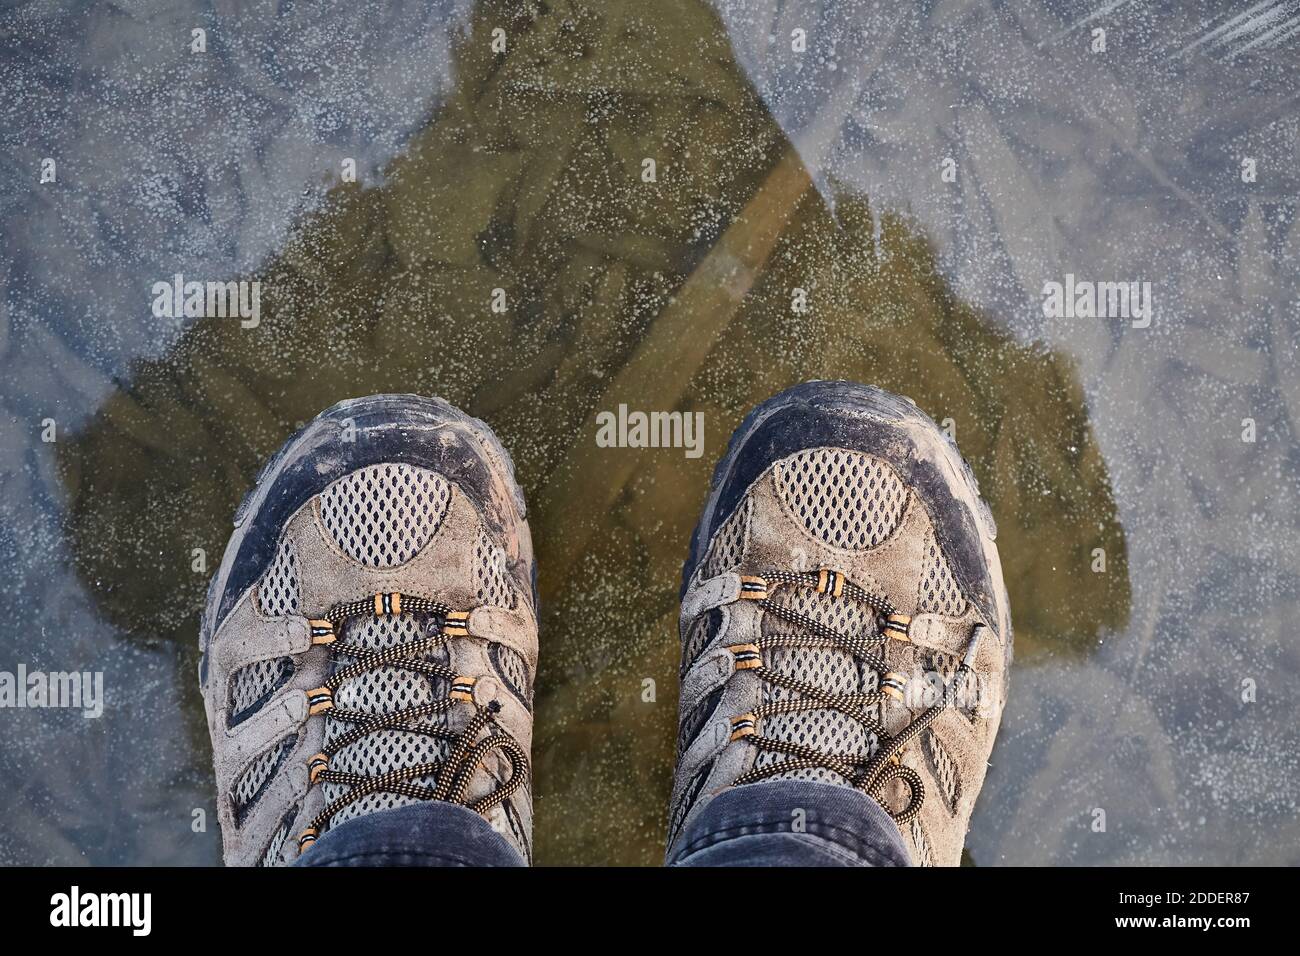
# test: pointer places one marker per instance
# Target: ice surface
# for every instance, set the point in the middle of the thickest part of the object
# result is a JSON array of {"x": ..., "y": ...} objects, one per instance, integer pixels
[{"x": 775, "y": 169}]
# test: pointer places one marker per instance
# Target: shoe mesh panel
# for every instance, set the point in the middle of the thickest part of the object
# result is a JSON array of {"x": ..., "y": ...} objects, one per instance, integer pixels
[
  {"x": 945, "y": 665},
  {"x": 490, "y": 576},
  {"x": 699, "y": 636},
  {"x": 252, "y": 685},
  {"x": 278, "y": 595},
  {"x": 922, "y": 845},
  {"x": 847, "y": 499},
  {"x": 693, "y": 721},
  {"x": 728, "y": 544},
  {"x": 384, "y": 691},
  {"x": 831, "y": 670},
  {"x": 278, "y": 592},
  {"x": 523, "y": 840},
  {"x": 827, "y": 730},
  {"x": 689, "y": 794},
  {"x": 845, "y": 616},
  {"x": 945, "y": 769},
  {"x": 257, "y": 777},
  {"x": 938, "y": 592},
  {"x": 512, "y": 669},
  {"x": 271, "y": 855},
  {"x": 382, "y": 515}
]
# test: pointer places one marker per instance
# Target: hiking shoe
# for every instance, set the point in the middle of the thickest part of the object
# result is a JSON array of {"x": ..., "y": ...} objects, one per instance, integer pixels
[
  {"x": 843, "y": 617},
  {"x": 370, "y": 639}
]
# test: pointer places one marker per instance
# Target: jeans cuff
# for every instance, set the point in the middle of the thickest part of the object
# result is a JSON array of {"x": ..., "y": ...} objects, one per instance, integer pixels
[
  {"x": 791, "y": 822},
  {"x": 429, "y": 833}
]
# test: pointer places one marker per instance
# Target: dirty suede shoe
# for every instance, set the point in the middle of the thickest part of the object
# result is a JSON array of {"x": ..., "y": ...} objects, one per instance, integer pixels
[
  {"x": 370, "y": 639},
  {"x": 843, "y": 617}
]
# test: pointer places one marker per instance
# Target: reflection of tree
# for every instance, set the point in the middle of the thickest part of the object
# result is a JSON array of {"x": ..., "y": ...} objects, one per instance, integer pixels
[{"x": 664, "y": 295}]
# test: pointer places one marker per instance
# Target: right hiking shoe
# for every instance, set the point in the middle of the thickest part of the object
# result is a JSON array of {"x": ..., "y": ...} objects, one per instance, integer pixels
[{"x": 844, "y": 618}]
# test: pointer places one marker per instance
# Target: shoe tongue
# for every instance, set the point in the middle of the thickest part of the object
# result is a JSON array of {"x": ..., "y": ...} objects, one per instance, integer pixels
[
  {"x": 841, "y": 614},
  {"x": 385, "y": 690},
  {"x": 834, "y": 671}
]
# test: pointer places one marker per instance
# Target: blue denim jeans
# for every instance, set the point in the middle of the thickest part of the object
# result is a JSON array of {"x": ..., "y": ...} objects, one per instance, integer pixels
[{"x": 777, "y": 823}]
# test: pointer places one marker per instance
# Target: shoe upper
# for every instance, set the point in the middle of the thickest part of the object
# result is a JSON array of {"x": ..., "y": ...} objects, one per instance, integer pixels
[
  {"x": 841, "y": 572},
  {"x": 385, "y": 651}
]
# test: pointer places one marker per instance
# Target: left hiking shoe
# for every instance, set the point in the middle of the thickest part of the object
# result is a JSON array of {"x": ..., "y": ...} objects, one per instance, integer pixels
[{"x": 370, "y": 639}]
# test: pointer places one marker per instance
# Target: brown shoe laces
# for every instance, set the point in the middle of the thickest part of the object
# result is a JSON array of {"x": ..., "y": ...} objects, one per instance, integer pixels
[
  {"x": 453, "y": 773},
  {"x": 869, "y": 772}
]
